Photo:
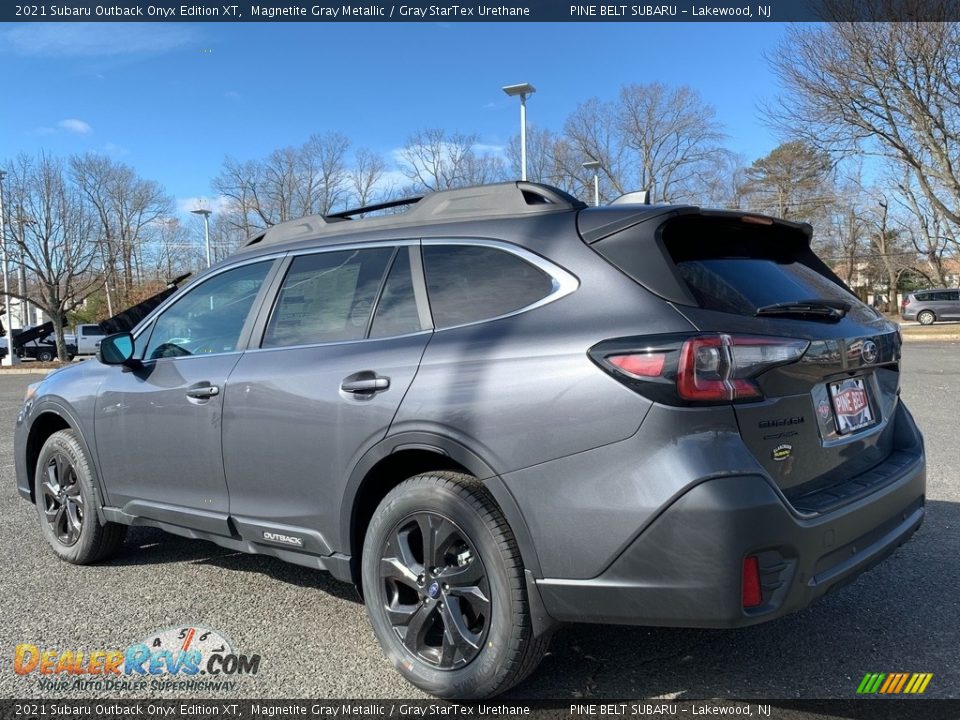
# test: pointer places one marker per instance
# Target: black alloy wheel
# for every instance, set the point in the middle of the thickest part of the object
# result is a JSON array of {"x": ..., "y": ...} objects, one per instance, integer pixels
[
  {"x": 435, "y": 590},
  {"x": 62, "y": 499}
]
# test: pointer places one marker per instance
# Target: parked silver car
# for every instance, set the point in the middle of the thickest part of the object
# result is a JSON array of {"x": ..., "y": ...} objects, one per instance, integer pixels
[{"x": 928, "y": 306}]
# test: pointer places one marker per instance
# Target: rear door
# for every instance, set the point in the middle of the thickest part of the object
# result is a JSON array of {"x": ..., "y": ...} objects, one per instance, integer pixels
[{"x": 329, "y": 363}]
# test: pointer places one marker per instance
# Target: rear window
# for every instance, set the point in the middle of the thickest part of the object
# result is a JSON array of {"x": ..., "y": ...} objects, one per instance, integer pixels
[
  {"x": 743, "y": 285},
  {"x": 734, "y": 266}
]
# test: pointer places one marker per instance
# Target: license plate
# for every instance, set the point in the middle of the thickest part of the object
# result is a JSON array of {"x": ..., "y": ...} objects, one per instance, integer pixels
[{"x": 851, "y": 405}]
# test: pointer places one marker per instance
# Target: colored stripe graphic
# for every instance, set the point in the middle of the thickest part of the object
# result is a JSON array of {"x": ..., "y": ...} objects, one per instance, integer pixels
[{"x": 894, "y": 683}]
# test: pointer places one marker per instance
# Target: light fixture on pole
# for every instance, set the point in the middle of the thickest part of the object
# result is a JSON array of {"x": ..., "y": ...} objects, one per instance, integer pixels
[
  {"x": 11, "y": 357},
  {"x": 23, "y": 312},
  {"x": 206, "y": 229},
  {"x": 523, "y": 90},
  {"x": 595, "y": 166}
]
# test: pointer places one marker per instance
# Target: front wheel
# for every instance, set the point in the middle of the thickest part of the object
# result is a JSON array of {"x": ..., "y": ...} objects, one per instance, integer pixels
[
  {"x": 444, "y": 588},
  {"x": 67, "y": 504},
  {"x": 926, "y": 317}
]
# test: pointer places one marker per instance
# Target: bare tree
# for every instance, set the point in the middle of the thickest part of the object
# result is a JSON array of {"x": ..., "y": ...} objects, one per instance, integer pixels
[
  {"x": 324, "y": 176},
  {"x": 674, "y": 136},
  {"x": 592, "y": 133},
  {"x": 58, "y": 245},
  {"x": 664, "y": 140},
  {"x": 127, "y": 208},
  {"x": 892, "y": 88},
  {"x": 238, "y": 182},
  {"x": 727, "y": 185},
  {"x": 932, "y": 236},
  {"x": 365, "y": 176},
  {"x": 290, "y": 182},
  {"x": 433, "y": 159}
]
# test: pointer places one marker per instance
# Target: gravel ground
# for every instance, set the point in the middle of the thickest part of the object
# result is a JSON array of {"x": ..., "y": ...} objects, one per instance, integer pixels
[{"x": 315, "y": 642}]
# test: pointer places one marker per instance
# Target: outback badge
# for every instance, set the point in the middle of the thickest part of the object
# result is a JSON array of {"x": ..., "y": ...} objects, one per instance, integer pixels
[{"x": 781, "y": 452}]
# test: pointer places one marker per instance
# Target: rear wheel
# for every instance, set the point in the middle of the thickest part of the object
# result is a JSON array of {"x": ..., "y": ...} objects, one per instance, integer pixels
[
  {"x": 444, "y": 588},
  {"x": 44, "y": 356},
  {"x": 67, "y": 504},
  {"x": 926, "y": 317}
]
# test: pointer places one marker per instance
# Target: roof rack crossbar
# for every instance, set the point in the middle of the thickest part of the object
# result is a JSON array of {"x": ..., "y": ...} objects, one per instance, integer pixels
[{"x": 346, "y": 214}]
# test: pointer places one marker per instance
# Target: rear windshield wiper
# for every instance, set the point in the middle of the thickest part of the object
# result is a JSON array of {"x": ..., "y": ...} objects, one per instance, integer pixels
[{"x": 827, "y": 310}]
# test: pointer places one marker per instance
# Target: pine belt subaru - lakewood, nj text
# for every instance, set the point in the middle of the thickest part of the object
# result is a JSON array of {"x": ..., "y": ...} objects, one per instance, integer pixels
[{"x": 498, "y": 411}]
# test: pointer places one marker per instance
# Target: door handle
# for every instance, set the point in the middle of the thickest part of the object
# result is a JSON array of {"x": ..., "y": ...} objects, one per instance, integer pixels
[
  {"x": 204, "y": 392},
  {"x": 365, "y": 382}
]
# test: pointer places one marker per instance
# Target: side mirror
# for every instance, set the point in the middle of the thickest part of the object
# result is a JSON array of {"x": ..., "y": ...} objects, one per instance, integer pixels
[{"x": 117, "y": 350}]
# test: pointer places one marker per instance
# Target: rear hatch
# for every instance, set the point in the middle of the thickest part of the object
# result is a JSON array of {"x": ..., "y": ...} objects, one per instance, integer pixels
[{"x": 812, "y": 373}]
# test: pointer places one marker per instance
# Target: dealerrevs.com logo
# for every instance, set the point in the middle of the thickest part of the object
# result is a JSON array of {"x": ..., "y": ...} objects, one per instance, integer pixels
[{"x": 187, "y": 658}]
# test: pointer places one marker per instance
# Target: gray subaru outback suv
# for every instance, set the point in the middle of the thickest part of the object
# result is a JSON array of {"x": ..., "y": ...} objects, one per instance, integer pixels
[{"x": 499, "y": 411}]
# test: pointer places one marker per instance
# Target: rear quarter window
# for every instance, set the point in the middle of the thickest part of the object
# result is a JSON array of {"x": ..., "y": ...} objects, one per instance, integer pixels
[{"x": 469, "y": 283}]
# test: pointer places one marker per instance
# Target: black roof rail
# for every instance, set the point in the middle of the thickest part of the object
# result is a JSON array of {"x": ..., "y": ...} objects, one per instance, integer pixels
[{"x": 475, "y": 202}]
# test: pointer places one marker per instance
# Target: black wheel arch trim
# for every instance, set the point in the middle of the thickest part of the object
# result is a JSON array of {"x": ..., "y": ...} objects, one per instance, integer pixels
[
  {"x": 459, "y": 453},
  {"x": 52, "y": 407}
]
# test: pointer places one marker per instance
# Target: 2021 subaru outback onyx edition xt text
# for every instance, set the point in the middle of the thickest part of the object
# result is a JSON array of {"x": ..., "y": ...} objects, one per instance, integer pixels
[{"x": 446, "y": 406}]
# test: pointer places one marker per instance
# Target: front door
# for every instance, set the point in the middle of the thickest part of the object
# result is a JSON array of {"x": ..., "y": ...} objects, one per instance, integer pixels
[{"x": 158, "y": 426}]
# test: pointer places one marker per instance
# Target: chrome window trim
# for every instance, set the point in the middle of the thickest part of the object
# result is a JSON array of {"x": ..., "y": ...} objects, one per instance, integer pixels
[{"x": 564, "y": 283}]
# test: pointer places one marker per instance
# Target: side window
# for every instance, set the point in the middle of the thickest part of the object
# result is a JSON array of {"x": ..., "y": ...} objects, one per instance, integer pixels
[
  {"x": 467, "y": 283},
  {"x": 327, "y": 297},
  {"x": 954, "y": 296},
  {"x": 942, "y": 296},
  {"x": 396, "y": 312},
  {"x": 210, "y": 317}
]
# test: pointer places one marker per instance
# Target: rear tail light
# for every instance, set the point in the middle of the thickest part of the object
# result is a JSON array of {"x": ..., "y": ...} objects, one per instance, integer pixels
[
  {"x": 903, "y": 305},
  {"x": 750, "y": 593},
  {"x": 640, "y": 365},
  {"x": 698, "y": 369}
]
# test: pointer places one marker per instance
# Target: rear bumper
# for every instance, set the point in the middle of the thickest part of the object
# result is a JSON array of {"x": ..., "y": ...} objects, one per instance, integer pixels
[{"x": 684, "y": 569}]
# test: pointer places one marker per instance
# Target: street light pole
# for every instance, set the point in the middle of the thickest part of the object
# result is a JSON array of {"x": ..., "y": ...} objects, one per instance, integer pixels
[
  {"x": 595, "y": 166},
  {"x": 206, "y": 229},
  {"x": 522, "y": 90},
  {"x": 11, "y": 357}
]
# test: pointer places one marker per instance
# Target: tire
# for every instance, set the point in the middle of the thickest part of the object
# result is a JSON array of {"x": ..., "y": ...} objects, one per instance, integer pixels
[
  {"x": 67, "y": 505},
  {"x": 45, "y": 356},
  {"x": 926, "y": 317},
  {"x": 481, "y": 580}
]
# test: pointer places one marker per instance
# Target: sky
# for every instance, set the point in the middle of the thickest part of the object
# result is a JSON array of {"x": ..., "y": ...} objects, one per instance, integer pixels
[{"x": 173, "y": 100}]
